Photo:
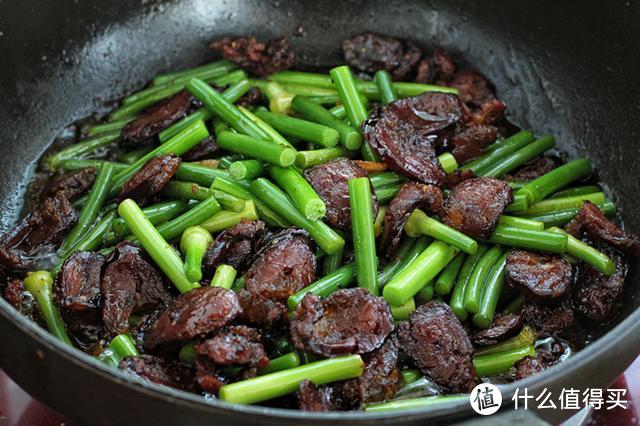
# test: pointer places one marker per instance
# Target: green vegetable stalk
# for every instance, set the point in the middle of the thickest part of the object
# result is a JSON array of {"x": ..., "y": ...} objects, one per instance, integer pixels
[
  {"x": 364, "y": 244},
  {"x": 152, "y": 241},
  {"x": 40, "y": 285},
  {"x": 273, "y": 385},
  {"x": 224, "y": 276},
  {"x": 193, "y": 244}
]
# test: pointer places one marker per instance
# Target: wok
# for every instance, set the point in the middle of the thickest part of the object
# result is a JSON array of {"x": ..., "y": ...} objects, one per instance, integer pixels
[{"x": 565, "y": 70}]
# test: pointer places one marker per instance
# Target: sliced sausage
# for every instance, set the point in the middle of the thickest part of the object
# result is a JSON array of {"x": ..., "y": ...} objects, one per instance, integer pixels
[
  {"x": 155, "y": 119},
  {"x": 545, "y": 358},
  {"x": 369, "y": 52},
  {"x": 438, "y": 344},
  {"x": 536, "y": 168},
  {"x": 349, "y": 321},
  {"x": 238, "y": 345},
  {"x": 470, "y": 141},
  {"x": 150, "y": 179},
  {"x": 77, "y": 294},
  {"x": 599, "y": 297},
  {"x": 474, "y": 206},
  {"x": 412, "y": 195},
  {"x": 330, "y": 180},
  {"x": 284, "y": 264},
  {"x": 73, "y": 184},
  {"x": 259, "y": 59},
  {"x": 234, "y": 246},
  {"x": 204, "y": 150},
  {"x": 548, "y": 319},
  {"x": 595, "y": 224},
  {"x": 193, "y": 314},
  {"x": 503, "y": 327},
  {"x": 317, "y": 398},
  {"x": 160, "y": 371},
  {"x": 380, "y": 379},
  {"x": 130, "y": 284},
  {"x": 406, "y": 134},
  {"x": 542, "y": 278},
  {"x": 261, "y": 310},
  {"x": 31, "y": 243},
  {"x": 474, "y": 89}
]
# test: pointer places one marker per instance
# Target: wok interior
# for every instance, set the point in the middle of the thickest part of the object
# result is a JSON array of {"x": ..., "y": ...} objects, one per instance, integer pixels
[{"x": 562, "y": 71}]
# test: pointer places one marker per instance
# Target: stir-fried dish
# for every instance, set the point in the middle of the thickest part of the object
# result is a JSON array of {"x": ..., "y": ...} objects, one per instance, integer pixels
[{"x": 322, "y": 241}]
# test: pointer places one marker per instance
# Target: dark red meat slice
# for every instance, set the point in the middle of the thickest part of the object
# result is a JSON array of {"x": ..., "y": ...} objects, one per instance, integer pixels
[
  {"x": 350, "y": 321},
  {"x": 317, "y": 398},
  {"x": 234, "y": 246},
  {"x": 406, "y": 134},
  {"x": 208, "y": 377},
  {"x": 490, "y": 113},
  {"x": 257, "y": 58},
  {"x": 330, "y": 180},
  {"x": 150, "y": 179},
  {"x": 594, "y": 223},
  {"x": 15, "y": 294},
  {"x": 21, "y": 300},
  {"x": 440, "y": 68},
  {"x": 410, "y": 58},
  {"x": 473, "y": 88},
  {"x": 425, "y": 72},
  {"x": 205, "y": 149},
  {"x": 471, "y": 141},
  {"x": 260, "y": 310},
  {"x": 597, "y": 296},
  {"x": 379, "y": 380},
  {"x": 542, "y": 278},
  {"x": 439, "y": 345},
  {"x": 194, "y": 314},
  {"x": 239, "y": 345},
  {"x": 445, "y": 67},
  {"x": 412, "y": 195},
  {"x": 211, "y": 376},
  {"x": 548, "y": 319},
  {"x": 284, "y": 264},
  {"x": 252, "y": 98},
  {"x": 370, "y": 52},
  {"x": 73, "y": 184},
  {"x": 49, "y": 224},
  {"x": 139, "y": 329},
  {"x": 545, "y": 358},
  {"x": 130, "y": 284},
  {"x": 458, "y": 176},
  {"x": 536, "y": 168},
  {"x": 37, "y": 235},
  {"x": 77, "y": 294},
  {"x": 155, "y": 119},
  {"x": 160, "y": 371},
  {"x": 77, "y": 287},
  {"x": 474, "y": 206},
  {"x": 503, "y": 327},
  {"x": 477, "y": 129}
]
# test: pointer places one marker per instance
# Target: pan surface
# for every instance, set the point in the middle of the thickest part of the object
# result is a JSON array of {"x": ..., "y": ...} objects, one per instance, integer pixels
[{"x": 569, "y": 71}]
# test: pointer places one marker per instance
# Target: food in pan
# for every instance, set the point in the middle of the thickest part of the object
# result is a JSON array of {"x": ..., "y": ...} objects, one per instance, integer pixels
[{"x": 321, "y": 241}]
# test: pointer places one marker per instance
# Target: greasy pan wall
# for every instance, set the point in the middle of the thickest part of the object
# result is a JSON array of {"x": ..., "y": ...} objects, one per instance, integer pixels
[{"x": 569, "y": 70}]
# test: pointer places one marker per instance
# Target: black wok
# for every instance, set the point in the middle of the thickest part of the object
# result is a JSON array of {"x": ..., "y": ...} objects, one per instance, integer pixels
[{"x": 569, "y": 70}]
